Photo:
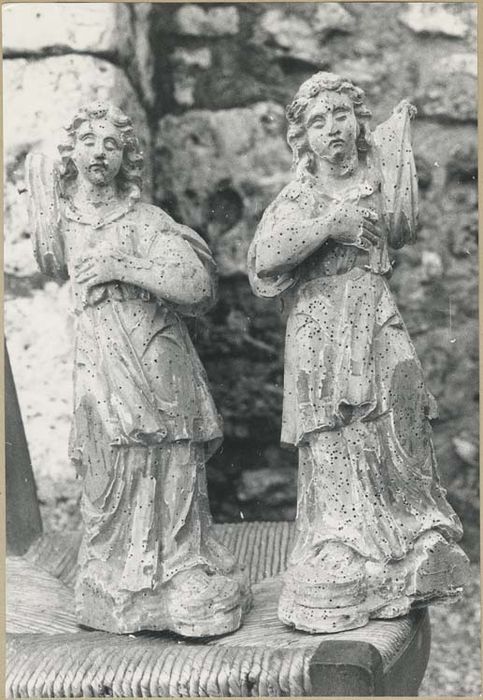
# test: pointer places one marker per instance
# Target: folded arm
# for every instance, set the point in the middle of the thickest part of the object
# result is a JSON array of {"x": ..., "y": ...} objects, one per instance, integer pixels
[
  {"x": 172, "y": 271},
  {"x": 285, "y": 239}
]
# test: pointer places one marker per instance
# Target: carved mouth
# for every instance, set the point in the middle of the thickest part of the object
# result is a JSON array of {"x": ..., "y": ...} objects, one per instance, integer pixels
[{"x": 98, "y": 166}]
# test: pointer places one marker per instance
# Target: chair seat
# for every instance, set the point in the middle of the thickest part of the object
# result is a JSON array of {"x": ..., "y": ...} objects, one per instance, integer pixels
[{"x": 55, "y": 658}]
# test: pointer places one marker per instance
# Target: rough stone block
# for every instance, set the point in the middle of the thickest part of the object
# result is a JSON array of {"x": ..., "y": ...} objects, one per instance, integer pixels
[
  {"x": 39, "y": 336},
  {"x": 274, "y": 487},
  {"x": 456, "y": 63},
  {"x": 193, "y": 20},
  {"x": 449, "y": 90},
  {"x": 300, "y": 31},
  {"x": 433, "y": 18},
  {"x": 365, "y": 72},
  {"x": 186, "y": 64},
  {"x": 118, "y": 31},
  {"x": 217, "y": 171},
  {"x": 98, "y": 28}
]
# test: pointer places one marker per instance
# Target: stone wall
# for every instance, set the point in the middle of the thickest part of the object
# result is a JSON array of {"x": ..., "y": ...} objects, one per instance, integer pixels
[{"x": 207, "y": 85}]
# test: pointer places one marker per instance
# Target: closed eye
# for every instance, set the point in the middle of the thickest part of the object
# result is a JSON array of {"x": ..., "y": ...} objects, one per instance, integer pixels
[
  {"x": 319, "y": 121},
  {"x": 341, "y": 111},
  {"x": 111, "y": 144}
]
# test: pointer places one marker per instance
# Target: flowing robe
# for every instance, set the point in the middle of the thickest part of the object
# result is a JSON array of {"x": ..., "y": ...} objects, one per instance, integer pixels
[
  {"x": 144, "y": 420},
  {"x": 355, "y": 403}
]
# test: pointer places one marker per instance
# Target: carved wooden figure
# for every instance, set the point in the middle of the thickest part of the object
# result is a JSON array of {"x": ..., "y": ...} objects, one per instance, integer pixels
[
  {"x": 144, "y": 420},
  {"x": 375, "y": 534}
]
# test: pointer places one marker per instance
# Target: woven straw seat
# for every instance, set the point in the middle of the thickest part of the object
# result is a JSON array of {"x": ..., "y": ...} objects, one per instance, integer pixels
[{"x": 49, "y": 656}]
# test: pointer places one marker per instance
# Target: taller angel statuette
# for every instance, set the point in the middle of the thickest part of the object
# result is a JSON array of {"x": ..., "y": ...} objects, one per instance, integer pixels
[
  {"x": 374, "y": 532},
  {"x": 144, "y": 420}
]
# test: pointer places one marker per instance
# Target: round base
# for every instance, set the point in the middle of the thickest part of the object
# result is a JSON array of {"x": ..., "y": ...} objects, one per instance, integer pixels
[
  {"x": 315, "y": 598},
  {"x": 192, "y": 604}
]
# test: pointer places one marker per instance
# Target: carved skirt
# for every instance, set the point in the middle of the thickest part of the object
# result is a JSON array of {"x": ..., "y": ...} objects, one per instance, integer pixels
[
  {"x": 137, "y": 381},
  {"x": 356, "y": 406},
  {"x": 151, "y": 520},
  {"x": 348, "y": 357},
  {"x": 144, "y": 424}
]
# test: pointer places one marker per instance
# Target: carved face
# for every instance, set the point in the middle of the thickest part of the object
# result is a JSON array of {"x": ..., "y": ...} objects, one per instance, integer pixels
[
  {"x": 98, "y": 151},
  {"x": 331, "y": 126}
]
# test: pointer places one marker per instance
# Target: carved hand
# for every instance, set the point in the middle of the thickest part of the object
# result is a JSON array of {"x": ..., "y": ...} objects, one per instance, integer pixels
[
  {"x": 102, "y": 264},
  {"x": 405, "y": 106},
  {"x": 353, "y": 225}
]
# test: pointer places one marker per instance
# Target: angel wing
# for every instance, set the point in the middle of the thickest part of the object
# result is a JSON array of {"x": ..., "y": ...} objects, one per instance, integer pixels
[
  {"x": 43, "y": 185},
  {"x": 399, "y": 180}
]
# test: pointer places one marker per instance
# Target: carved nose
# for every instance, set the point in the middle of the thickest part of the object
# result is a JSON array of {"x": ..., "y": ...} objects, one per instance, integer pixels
[
  {"x": 332, "y": 125},
  {"x": 99, "y": 149}
]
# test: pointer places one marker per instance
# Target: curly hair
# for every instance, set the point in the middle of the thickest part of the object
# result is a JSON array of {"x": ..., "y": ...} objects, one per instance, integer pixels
[
  {"x": 297, "y": 136},
  {"x": 129, "y": 178}
]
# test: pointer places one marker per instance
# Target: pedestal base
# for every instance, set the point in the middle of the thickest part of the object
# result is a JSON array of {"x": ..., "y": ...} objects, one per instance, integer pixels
[
  {"x": 340, "y": 591},
  {"x": 192, "y": 604}
]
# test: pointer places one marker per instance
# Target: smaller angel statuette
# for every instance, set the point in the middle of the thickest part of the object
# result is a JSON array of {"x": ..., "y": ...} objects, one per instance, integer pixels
[
  {"x": 144, "y": 420},
  {"x": 375, "y": 534}
]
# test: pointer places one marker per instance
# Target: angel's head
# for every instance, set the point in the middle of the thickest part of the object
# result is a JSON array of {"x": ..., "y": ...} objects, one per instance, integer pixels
[
  {"x": 327, "y": 119},
  {"x": 101, "y": 147}
]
